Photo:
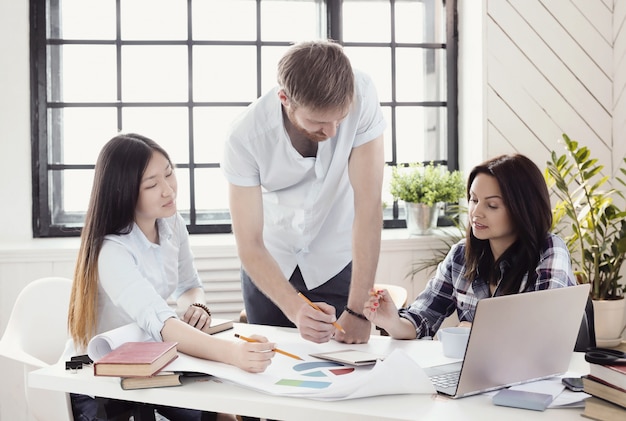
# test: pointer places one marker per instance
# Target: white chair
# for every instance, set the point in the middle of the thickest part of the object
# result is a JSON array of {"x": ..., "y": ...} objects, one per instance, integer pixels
[{"x": 35, "y": 336}]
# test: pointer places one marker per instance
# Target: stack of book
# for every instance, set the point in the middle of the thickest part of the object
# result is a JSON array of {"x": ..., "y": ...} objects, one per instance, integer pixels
[
  {"x": 607, "y": 385},
  {"x": 140, "y": 364}
]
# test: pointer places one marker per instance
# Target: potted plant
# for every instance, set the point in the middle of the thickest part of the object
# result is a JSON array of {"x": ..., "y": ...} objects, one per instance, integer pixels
[
  {"x": 423, "y": 188},
  {"x": 594, "y": 228}
]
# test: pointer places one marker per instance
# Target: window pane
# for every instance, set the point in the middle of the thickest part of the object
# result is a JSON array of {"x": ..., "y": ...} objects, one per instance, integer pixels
[
  {"x": 387, "y": 136},
  {"x": 387, "y": 197},
  {"x": 289, "y": 20},
  {"x": 76, "y": 187},
  {"x": 210, "y": 128},
  {"x": 154, "y": 73},
  {"x": 376, "y": 62},
  {"x": 420, "y": 134},
  {"x": 211, "y": 190},
  {"x": 87, "y": 73},
  {"x": 154, "y": 19},
  {"x": 224, "y": 20},
  {"x": 421, "y": 74},
  {"x": 366, "y": 21},
  {"x": 81, "y": 131},
  {"x": 224, "y": 73},
  {"x": 88, "y": 19},
  {"x": 182, "y": 194},
  {"x": 420, "y": 21},
  {"x": 169, "y": 127},
  {"x": 269, "y": 63}
]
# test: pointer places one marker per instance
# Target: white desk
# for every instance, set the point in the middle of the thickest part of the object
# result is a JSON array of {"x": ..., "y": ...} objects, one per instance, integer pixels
[{"x": 222, "y": 397}]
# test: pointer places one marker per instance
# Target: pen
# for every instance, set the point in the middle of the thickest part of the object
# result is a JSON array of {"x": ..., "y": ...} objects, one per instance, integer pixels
[
  {"x": 280, "y": 351},
  {"x": 309, "y": 302}
]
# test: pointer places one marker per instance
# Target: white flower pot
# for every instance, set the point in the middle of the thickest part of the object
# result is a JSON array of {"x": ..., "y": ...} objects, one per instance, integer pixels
[
  {"x": 609, "y": 321},
  {"x": 421, "y": 219}
]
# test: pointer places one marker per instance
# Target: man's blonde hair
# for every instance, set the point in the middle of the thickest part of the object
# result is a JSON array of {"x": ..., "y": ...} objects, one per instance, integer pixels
[{"x": 317, "y": 75}]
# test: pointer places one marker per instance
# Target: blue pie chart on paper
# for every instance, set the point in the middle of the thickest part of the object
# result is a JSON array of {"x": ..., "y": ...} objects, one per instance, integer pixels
[
  {"x": 316, "y": 364},
  {"x": 316, "y": 369}
]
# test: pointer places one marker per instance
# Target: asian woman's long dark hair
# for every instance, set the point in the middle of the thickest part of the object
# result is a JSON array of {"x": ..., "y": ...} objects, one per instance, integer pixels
[{"x": 114, "y": 195}]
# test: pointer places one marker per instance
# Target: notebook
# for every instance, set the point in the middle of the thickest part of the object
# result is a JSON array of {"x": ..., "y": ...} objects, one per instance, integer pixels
[{"x": 516, "y": 339}]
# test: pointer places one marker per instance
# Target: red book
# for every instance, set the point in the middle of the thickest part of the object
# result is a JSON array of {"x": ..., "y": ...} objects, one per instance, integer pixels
[
  {"x": 612, "y": 374},
  {"x": 133, "y": 359}
]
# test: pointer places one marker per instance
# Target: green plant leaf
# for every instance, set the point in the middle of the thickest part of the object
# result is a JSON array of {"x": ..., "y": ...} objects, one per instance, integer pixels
[{"x": 593, "y": 227}]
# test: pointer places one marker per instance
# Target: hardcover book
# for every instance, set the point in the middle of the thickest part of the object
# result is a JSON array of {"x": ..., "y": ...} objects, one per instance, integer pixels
[
  {"x": 219, "y": 325},
  {"x": 612, "y": 374},
  {"x": 601, "y": 389},
  {"x": 133, "y": 359},
  {"x": 160, "y": 379},
  {"x": 599, "y": 409}
]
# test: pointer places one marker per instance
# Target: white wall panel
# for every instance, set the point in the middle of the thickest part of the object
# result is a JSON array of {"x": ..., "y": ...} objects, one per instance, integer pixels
[
  {"x": 597, "y": 13},
  {"x": 619, "y": 85},
  {"x": 507, "y": 62},
  {"x": 541, "y": 56},
  {"x": 575, "y": 36}
]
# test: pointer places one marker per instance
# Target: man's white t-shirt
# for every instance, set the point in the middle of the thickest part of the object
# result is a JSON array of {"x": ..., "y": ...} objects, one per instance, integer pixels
[{"x": 308, "y": 203}]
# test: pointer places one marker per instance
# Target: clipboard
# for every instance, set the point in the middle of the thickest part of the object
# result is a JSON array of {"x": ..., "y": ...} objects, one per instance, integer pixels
[{"x": 350, "y": 357}]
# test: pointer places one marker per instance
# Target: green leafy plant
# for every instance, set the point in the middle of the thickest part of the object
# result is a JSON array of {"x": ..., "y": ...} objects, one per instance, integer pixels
[
  {"x": 585, "y": 215},
  {"x": 428, "y": 184}
]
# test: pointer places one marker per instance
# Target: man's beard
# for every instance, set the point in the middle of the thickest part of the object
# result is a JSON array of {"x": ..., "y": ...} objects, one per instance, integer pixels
[{"x": 312, "y": 136}]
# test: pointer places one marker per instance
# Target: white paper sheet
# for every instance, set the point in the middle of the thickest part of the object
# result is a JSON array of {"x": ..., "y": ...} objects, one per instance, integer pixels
[
  {"x": 318, "y": 379},
  {"x": 312, "y": 378},
  {"x": 102, "y": 344}
]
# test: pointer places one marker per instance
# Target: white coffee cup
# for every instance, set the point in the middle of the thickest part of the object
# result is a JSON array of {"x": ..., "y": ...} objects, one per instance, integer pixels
[{"x": 454, "y": 341}]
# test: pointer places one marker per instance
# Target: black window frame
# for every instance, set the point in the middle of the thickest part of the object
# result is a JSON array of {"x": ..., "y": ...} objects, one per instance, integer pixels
[{"x": 43, "y": 170}]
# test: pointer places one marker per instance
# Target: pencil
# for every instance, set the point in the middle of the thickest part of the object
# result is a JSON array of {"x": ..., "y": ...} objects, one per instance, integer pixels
[
  {"x": 309, "y": 302},
  {"x": 280, "y": 351}
]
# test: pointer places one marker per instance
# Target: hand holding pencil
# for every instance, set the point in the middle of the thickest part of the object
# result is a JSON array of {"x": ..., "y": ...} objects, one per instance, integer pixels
[
  {"x": 318, "y": 309},
  {"x": 254, "y": 355},
  {"x": 280, "y": 351}
]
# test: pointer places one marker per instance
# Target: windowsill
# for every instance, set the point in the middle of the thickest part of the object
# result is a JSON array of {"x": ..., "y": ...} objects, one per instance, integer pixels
[{"x": 392, "y": 240}]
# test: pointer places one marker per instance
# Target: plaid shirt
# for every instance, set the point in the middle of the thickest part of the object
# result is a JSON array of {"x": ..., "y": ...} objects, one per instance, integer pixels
[{"x": 449, "y": 290}]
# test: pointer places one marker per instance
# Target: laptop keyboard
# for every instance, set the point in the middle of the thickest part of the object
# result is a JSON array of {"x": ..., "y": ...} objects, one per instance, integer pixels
[{"x": 446, "y": 379}]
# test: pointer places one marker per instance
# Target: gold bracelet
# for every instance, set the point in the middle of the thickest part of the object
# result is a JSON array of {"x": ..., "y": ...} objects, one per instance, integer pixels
[{"x": 203, "y": 307}]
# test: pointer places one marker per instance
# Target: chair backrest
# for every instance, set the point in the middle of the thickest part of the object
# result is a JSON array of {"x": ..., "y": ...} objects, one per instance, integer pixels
[
  {"x": 36, "y": 336},
  {"x": 38, "y": 322}
]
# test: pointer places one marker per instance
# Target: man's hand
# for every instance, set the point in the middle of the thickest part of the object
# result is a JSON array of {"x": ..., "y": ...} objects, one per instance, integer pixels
[{"x": 316, "y": 325}]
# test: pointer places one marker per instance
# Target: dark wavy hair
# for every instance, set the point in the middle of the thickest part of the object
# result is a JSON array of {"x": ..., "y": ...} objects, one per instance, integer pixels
[{"x": 526, "y": 197}]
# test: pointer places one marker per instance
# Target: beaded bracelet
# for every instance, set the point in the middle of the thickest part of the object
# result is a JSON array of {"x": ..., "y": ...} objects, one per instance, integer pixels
[
  {"x": 203, "y": 307},
  {"x": 354, "y": 313}
]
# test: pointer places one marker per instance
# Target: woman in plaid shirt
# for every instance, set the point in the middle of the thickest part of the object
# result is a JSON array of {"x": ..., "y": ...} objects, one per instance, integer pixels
[{"x": 508, "y": 249}]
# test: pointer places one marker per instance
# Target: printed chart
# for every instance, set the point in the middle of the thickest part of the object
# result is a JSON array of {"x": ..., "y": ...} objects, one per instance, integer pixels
[{"x": 322, "y": 371}]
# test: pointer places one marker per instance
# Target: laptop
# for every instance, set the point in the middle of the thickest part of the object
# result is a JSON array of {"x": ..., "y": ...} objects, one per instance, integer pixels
[{"x": 515, "y": 339}]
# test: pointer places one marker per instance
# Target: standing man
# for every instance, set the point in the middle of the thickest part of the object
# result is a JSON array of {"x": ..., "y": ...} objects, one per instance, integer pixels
[{"x": 305, "y": 166}]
